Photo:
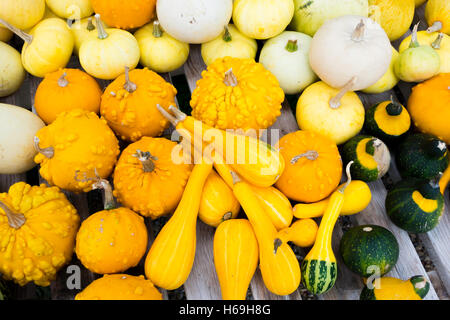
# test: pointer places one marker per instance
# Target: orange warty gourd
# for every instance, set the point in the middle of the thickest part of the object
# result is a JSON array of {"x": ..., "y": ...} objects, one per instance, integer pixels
[
  {"x": 37, "y": 231},
  {"x": 77, "y": 140},
  {"x": 429, "y": 106},
  {"x": 112, "y": 240},
  {"x": 236, "y": 93},
  {"x": 147, "y": 180},
  {"x": 125, "y": 14},
  {"x": 129, "y": 104},
  {"x": 120, "y": 287},
  {"x": 236, "y": 256},
  {"x": 66, "y": 90},
  {"x": 313, "y": 166}
]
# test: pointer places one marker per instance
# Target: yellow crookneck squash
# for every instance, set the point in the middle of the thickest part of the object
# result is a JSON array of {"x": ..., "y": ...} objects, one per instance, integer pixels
[
  {"x": 236, "y": 257},
  {"x": 112, "y": 240},
  {"x": 280, "y": 269},
  {"x": 37, "y": 231},
  {"x": 171, "y": 256},
  {"x": 319, "y": 268},
  {"x": 147, "y": 180},
  {"x": 302, "y": 233},
  {"x": 129, "y": 104},
  {"x": 236, "y": 93},
  {"x": 254, "y": 160},
  {"x": 76, "y": 141},
  {"x": 66, "y": 90},
  {"x": 120, "y": 287}
]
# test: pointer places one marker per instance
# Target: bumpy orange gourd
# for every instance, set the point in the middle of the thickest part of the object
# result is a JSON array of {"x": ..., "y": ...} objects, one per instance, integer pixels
[
  {"x": 37, "y": 231},
  {"x": 112, "y": 240},
  {"x": 65, "y": 90},
  {"x": 120, "y": 287},
  {"x": 235, "y": 257},
  {"x": 77, "y": 140},
  {"x": 125, "y": 14},
  {"x": 129, "y": 104},
  {"x": 147, "y": 180},
  {"x": 218, "y": 202},
  {"x": 236, "y": 93},
  {"x": 429, "y": 106},
  {"x": 313, "y": 166}
]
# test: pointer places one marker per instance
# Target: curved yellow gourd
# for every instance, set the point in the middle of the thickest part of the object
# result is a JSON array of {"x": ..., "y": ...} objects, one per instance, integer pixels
[
  {"x": 171, "y": 256},
  {"x": 357, "y": 197},
  {"x": 445, "y": 179},
  {"x": 280, "y": 270},
  {"x": 302, "y": 233},
  {"x": 254, "y": 160},
  {"x": 235, "y": 257}
]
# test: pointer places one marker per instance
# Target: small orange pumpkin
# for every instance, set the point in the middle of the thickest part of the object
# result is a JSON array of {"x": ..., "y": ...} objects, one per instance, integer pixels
[
  {"x": 121, "y": 14},
  {"x": 65, "y": 90},
  {"x": 313, "y": 166},
  {"x": 147, "y": 180},
  {"x": 129, "y": 104}
]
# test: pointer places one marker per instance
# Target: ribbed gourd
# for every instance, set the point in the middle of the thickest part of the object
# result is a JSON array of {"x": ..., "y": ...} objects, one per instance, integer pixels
[
  {"x": 147, "y": 180},
  {"x": 236, "y": 257},
  {"x": 129, "y": 104},
  {"x": 236, "y": 93},
  {"x": 76, "y": 140},
  {"x": 38, "y": 226},
  {"x": 389, "y": 288}
]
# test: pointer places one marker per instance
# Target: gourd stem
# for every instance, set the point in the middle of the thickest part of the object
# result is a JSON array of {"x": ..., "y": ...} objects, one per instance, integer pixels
[
  {"x": 173, "y": 120},
  {"x": 276, "y": 244},
  {"x": 15, "y": 220},
  {"x": 157, "y": 31},
  {"x": 436, "y": 26},
  {"x": 129, "y": 86},
  {"x": 235, "y": 177},
  {"x": 90, "y": 26},
  {"x": 48, "y": 152},
  {"x": 358, "y": 33},
  {"x": 292, "y": 46},
  {"x": 146, "y": 159},
  {"x": 227, "y": 216},
  {"x": 102, "y": 34},
  {"x": 349, "y": 177},
  {"x": 414, "y": 42},
  {"x": 335, "y": 102},
  {"x": 230, "y": 79},
  {"x": 99, "y": 183},
  {"x": 22, "y": 34},
  {"x": 62, "y": 81},
  {"x": 394, "y": 109},
  {"x": 437, "y": 43},
  {"x": 227, "y": 35},
  {"x": 372, "y": 145},
  {"x": 310, "y": 155}
]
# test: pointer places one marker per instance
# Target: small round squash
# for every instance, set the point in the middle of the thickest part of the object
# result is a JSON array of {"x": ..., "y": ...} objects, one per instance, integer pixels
[
  {"x": 388, "y": 81},
  {"x": 313, "y": 166},
  {"x": 71, "y": 9},
  {"x": 129, "y": 104},
  {"x": 415, "y": 288},
  {"x": 81, "y": 30},
  {"x": 66, "y": 90},
  {"x": 437, "y": 15},
  {"x": 23, "y": 14},
  {"x": 38, "y": 226},
  {"x": 13, "y": 73},
  {"x": 120, "y": 287}
]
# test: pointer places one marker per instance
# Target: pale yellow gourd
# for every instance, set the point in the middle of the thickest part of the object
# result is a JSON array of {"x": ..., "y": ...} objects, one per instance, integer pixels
[
  {"x": 71, "y": 9},
  {"x": 388, "y": 81},
  {"x": 81, "y": 30},
  {"x": 5, "y": 34},
  {"x": 13, "y": 73},
  {"x": 22, "y": 14}
]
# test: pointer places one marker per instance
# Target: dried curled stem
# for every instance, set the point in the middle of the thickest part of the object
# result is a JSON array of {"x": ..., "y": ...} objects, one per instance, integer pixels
[
  {"x": 230, "y": 79},
  {"x": 310, "y": 155},
  {"x": 15, "y": 220},
  {"x": 129, "y": 86},
  {"x": 146, "y": 159},
  {"x": 62, "y": 81},
  {"x": 99, "y": 183},
  {"x": 47, "y": 152}
]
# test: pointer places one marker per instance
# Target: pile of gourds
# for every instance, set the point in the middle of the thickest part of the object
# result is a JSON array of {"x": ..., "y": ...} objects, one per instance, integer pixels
[{"x": 86, "y": 138}]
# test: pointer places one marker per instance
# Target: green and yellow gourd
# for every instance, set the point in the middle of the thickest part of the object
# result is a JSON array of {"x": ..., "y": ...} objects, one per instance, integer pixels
[
  {"x": 415, "y": 288},
  {"x": 371, "y": 156},
  {"x": 387, "y": 120},
  {"x": 319, "y": 268},
  {"x": 415, "y": 205}
]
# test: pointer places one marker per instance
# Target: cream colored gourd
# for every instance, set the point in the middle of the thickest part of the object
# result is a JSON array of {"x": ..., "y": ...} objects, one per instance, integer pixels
[
  {"x": 105, "y": 54},
  {"x": 17, "y": 154},
  {"x": 388, "y": 81},
  {"x": 348, "y": 47},
  {"x": 287, "y": 57},
  {"x": 160, "y": 51},
  {"x": 230, "y": 43},
  {"x": 194, "y": 21},
  {"x": 310, "y": 15},
  {"x": 262, "y": 19},
  {"x": 81, "y": 30},
  {"x": 22, "y": 14},
  {"x": 13, "y": 73},
  {"x": 71, "y": 9}
]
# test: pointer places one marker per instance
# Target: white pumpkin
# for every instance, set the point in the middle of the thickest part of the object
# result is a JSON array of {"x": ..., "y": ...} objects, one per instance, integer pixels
[
  {"x": 350, "y": 46},
  {"x": 194, "y": 21},
  {"x": 286, "y": 56},
  {"x": 310, "y": 15},
  {"x": 18, "y": 127},
  {"x": 13, "y": 73}
]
